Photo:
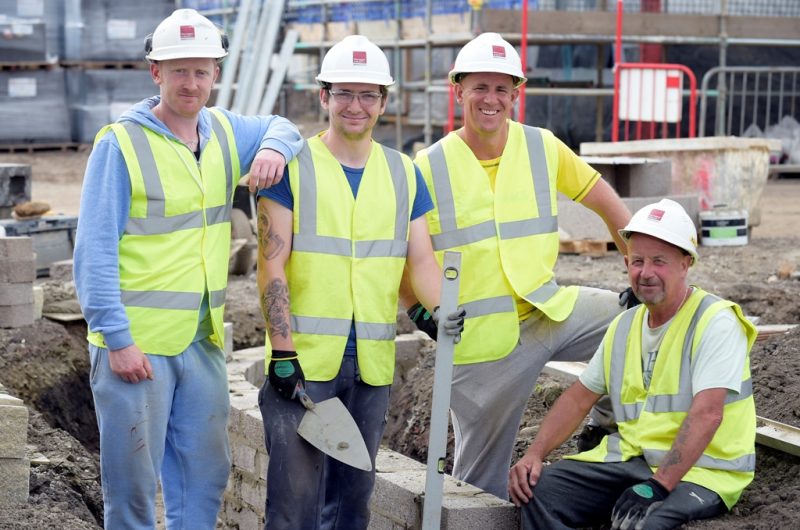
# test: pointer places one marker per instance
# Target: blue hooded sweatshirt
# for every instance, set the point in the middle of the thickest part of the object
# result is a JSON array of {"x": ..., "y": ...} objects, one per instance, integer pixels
[{"x": 106, "y": 199}]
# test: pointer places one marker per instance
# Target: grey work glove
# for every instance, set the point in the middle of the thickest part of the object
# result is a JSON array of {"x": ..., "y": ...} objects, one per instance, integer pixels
[
  {"x": 636, "y": 503},
  {"x": 285, "y": 374},
  {"x": 628, "y": 299},
  {"x": 428, "y": 323}
]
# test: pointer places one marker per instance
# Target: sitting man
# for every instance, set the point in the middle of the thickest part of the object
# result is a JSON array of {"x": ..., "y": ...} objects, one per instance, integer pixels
[{"x": 677, "y": 371}]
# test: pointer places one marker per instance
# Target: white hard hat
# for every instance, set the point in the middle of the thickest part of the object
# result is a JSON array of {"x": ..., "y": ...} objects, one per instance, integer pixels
[
  {"x": 488, "y": 52},
  {"x": 665, "y": 220},
  {"x": 185, "y": 34},
  {"x": 355, "y": 59}
]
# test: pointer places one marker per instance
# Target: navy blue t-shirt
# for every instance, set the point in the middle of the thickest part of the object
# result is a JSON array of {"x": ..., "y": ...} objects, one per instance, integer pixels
[{"x": 282, "y": 194}]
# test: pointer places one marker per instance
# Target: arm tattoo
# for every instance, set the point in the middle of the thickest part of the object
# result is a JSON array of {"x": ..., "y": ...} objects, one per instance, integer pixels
[
  {"x": 271, "y": 244},
  {"x": 674, "y": 456},
  {"x": 276, "y": 302}
]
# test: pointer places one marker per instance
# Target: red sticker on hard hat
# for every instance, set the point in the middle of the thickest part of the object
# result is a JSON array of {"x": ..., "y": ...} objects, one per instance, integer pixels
[
  {"x": 187, "y": 32},
  {"x": 498, "y": 52},
  {"x": 359, "y": 57},
  {"x": 656, "y": 214}
]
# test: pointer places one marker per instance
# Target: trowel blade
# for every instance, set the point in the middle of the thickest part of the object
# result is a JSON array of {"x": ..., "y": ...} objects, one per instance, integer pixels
[{"x": 330, "y": 428}]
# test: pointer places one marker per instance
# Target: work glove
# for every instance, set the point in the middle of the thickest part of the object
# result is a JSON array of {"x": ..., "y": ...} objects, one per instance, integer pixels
[
  {"x": 428, "y": 323},
  {"x": 636, "y": 503},
  {"x": 285, "y": 374},
  {"x": 628, "y": 299}
]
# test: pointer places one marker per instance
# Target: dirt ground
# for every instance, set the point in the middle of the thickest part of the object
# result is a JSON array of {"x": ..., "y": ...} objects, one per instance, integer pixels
[{"x": 46, "y": 364}]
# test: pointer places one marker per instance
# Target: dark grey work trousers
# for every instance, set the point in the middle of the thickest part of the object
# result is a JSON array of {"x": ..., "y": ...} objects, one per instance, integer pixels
[{"x": 572, "y": 494}]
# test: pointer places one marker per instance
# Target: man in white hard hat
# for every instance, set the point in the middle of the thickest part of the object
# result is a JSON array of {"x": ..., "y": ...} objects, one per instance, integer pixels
[
  {"x": 334, "y": 237},
  {"x": 494, "y": 184},
  {"x": 151, "y": 263},
  {"x": 677, "y": 371}
]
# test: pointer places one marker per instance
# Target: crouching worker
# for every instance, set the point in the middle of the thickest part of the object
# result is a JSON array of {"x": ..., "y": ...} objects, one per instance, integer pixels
[
  {"x": 677, "y": 370},
  {"x": 334, "y": 238}
]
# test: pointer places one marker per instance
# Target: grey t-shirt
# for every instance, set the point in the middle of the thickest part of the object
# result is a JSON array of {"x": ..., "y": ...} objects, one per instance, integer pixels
[{"x": 717, "y": 363}]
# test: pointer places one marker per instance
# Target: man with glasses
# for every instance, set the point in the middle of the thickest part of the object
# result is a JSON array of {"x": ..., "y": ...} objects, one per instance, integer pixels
[
  {"x": 494, "y": 183},
  {"x": 334, "y": 238}
]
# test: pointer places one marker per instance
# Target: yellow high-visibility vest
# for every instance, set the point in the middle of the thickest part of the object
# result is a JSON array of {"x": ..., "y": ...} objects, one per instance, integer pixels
[
  {"x": 508, "y": 238},
  {"x": 649, "y": 419},
  {"x": 347, "y": 259},
  {"x": 176, "y": 244}
]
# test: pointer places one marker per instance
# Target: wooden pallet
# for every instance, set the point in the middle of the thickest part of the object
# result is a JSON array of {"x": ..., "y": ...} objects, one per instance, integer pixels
[
  {"x": 766, "y": 331},
  {"x": 27, "y": 65},
  {"x": 587, "y": 247},
  {"x": 106, "y": 65},
  {"x": 36, "y": 148}
]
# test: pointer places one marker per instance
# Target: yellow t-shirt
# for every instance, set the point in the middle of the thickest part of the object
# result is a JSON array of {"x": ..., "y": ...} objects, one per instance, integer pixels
[{"x": 573, "y": 174}]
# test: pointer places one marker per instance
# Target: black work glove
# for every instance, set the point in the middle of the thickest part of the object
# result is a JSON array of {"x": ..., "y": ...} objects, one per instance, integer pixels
[
  {"x": 428, "y": 323},
  {"x": 628, "y": 299},
  {"x": 285, "y": 373},
  {"x": 636, "y": 503}
]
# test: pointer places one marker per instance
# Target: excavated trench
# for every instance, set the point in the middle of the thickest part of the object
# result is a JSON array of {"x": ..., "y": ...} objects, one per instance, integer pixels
[{"x": 47, "y": 366}]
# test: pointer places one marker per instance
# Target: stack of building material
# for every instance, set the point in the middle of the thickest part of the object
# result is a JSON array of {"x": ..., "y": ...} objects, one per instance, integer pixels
[
  {"x": 17, "y": 273},
  {"x": 100, "y": 96},
  {"x": 32, "y": 30},
  {"x": 14, "y": 466},
  {"x": 99, "y": 30},
  {"x": 33, "y": 104}
]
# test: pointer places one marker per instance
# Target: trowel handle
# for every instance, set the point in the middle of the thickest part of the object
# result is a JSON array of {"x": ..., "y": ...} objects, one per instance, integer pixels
[{"x": 300, "y": 392}]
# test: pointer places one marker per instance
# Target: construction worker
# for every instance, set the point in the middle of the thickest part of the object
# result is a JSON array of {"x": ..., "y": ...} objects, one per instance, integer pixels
[
  {"x": 678, "y": 373},
  {"x": 334, "y": 237},
  {"x": 151, "y": 263},
  {"x": 494, "y": 184}
]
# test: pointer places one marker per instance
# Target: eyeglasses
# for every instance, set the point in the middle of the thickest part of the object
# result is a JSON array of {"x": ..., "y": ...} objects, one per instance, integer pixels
[{"x": 345, "y": 97}]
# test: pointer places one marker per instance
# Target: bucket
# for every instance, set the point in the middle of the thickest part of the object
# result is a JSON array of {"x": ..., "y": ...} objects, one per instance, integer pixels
[{"x": 720, "y": 228}]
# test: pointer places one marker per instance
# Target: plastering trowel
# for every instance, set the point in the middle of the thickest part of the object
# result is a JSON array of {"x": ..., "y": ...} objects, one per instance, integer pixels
[{"x": 329, "y": 427}]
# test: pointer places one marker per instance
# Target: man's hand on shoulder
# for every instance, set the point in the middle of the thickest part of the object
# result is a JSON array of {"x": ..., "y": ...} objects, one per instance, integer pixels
[
  {"x": 266, "y": 169},
  {"x": 130, "y": 364}
]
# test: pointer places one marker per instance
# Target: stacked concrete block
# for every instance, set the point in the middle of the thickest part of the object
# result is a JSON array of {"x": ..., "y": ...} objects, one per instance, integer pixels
[
  {"x": 14, "y": 465},
  {"x": 15, "y": 187},
  {"x": 17, "y": 273},
  {"x": 33, "y": 104},
  {"x": 400, "y": 483},
  {"x": 31, "y": 29}
]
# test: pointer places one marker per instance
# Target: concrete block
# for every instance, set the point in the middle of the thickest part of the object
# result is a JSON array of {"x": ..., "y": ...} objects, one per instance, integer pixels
[
  {"x": 13, "y": 430},
  {"x": 15, "y": 316},
  {"x": 16, "y": 248},
  {"x": 38, "y": 301},
  {"x": 14, "y": 481},
  {"x": 228, "y": 326},
  {"x": 61, "y": 270},
  {"x": 17, "y": 270},
  {"x": 254, "y": 493},
  {"x": 16, "y": 293},
  {"x": 244, "y": 457},
  {"x": 580, "y": 222},
  {"x": 634, "y": 176}
]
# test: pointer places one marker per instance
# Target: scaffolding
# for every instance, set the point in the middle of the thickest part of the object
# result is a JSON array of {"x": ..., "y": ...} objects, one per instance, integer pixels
[{"x": 422, "y": 38}]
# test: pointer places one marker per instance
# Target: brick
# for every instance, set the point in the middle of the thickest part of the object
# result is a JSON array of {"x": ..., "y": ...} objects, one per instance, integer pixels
[
  {"x": 16, "y": 293},
  {"x": 14, "y": 481},
  {"x": 15, "y": 316},
  {"x": 13, "y": 430},
  {"x": 61, "y": 270},
  {"x": 17, "y": 270},
  {"x": 16, "y": 248}
]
